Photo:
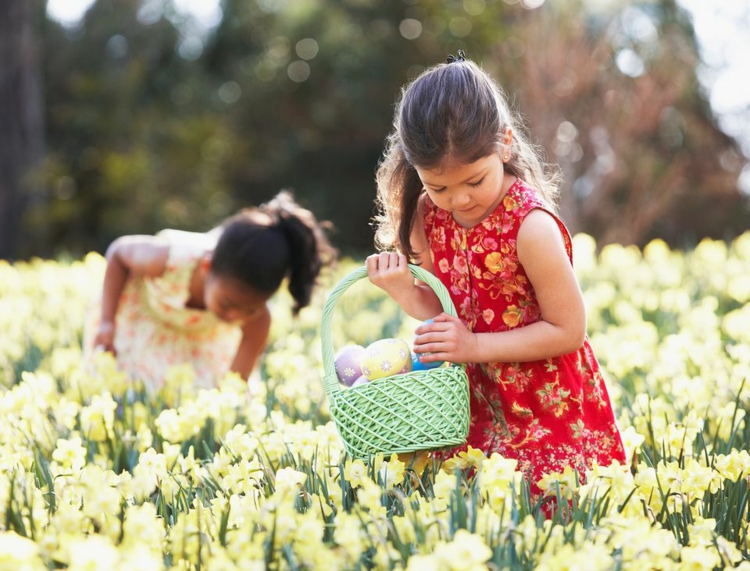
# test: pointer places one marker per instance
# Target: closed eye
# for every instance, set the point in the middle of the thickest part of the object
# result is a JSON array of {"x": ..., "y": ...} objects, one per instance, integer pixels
[{"x": 479, "y": 182}]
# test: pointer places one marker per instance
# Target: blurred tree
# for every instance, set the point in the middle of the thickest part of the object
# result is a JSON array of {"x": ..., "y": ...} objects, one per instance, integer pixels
[
  {"x": 616, "y": 100},
  {"x": 128, "y": 127},
  {"x": 154, "y": 122},
  {"x": 21, "y": 118}
]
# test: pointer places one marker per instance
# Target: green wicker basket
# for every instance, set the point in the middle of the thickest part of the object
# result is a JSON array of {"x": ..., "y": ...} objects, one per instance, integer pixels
[{"x": 419, "y": 410}]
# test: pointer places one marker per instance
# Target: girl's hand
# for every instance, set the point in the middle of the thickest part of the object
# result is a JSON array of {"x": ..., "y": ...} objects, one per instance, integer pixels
[
  {"x": 390, "y": 272},
  {"x": 105, "y": 337},
  {"x": 446, "y": 339}
]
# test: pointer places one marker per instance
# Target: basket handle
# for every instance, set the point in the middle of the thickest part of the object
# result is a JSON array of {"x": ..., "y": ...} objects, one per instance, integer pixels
[{"x": 330, "y": 381}]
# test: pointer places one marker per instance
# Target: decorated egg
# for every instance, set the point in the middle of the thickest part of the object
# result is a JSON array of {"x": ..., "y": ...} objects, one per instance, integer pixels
[
  {"x": 360, "y": 381},
  {"x": 348, "y": 364},
  {"x": 417, "y": 365},
  {"x": 386, "y": 357}
]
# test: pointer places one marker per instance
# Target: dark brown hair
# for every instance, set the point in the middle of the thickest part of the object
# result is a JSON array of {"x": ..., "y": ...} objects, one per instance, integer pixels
[
  {"x": 262, "y": 246},
  {"x": 451, "y": 112}
]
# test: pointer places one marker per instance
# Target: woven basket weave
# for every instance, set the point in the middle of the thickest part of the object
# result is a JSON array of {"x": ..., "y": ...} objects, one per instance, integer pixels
[{"x": 420, "y": 410}]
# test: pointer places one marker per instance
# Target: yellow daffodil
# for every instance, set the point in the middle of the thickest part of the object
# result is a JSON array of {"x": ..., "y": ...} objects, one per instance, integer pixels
[
  {"x": 355, "y": 472},
  {"x": 466, "y": 552}
]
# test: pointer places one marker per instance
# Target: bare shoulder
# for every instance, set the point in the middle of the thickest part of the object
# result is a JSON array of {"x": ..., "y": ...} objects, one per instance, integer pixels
[
  {"x": 540, "y": 233},
  {"x": 141, "y": 254},
  {"x": 258, "y": 324}
]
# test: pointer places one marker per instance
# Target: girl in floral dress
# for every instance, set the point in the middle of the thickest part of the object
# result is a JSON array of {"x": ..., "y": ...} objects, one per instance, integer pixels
[
  {"x": 201, "y": 298},
  {"x": 464, "y": 194}
]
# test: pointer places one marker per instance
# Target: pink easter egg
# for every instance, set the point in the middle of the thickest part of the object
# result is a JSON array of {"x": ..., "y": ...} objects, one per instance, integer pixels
[{"x": 348, "y": 364}]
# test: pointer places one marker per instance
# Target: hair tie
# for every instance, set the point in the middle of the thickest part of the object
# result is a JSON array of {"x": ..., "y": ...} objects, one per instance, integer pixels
[{"x": 460, "y": 56}]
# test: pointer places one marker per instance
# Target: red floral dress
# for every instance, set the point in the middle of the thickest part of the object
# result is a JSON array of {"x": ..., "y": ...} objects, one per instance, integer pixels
[{"x": 550, "y": 413}]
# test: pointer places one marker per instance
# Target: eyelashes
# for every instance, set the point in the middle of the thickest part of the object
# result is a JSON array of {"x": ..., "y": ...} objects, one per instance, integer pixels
[{"x": 472, "y": 184}]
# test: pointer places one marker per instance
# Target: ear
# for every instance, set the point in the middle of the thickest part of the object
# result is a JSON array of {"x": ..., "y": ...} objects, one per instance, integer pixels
[
  {"x": 507, "y": 142},
  {"x": 508, "y": 137},
  {"x": 205, "y": 262}
]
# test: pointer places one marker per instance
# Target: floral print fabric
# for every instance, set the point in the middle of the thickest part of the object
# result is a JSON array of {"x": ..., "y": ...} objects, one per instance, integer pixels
[
  {"x": 154, "y": 329},
  {"x": 547, "y": 414}
]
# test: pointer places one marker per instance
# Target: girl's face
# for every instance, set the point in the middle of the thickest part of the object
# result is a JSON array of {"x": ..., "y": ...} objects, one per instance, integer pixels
[
  {"x": 470, "y": 192},
  {"x": 231, "y": 300}
]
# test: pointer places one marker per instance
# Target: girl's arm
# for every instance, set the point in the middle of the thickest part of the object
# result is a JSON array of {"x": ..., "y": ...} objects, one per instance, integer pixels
[
  {"x": 254, "y": 337},
  {"x": 390, "y": 272},
  {"x": 561, "y": 328},
  {"x": 126, "y": 256}
]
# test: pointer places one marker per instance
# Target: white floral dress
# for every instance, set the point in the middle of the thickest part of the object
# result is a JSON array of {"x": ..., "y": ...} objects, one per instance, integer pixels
[{"x": 155, "y": 330}]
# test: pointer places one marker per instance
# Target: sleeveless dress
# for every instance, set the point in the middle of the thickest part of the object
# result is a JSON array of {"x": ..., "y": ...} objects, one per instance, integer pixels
[
  {"x": 155, "y": 331},
  {"x": 547, "y": 414}
]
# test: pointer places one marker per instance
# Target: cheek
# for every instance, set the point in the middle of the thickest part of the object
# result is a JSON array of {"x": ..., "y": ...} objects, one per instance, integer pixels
[
  {"x": 437, "y": 199},
  {"x": 209, "y": 300}
]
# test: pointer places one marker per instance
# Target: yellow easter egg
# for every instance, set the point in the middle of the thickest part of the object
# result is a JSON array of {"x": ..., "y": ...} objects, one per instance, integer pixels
[{"x": 386, "y": 357}]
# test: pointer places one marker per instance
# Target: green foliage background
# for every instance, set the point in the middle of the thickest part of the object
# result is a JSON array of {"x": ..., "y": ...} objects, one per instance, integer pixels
[{"x": 151, "y": 125}]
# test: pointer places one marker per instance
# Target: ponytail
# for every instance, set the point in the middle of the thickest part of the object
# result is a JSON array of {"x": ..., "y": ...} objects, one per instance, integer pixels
[
  {"x": 262, "y": 246},
  {"x": 309, "y": 249}
]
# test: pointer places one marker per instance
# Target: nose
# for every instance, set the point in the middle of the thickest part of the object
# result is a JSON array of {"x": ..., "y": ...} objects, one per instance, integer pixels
[
  {"x": 460, "y": 200},
  {"x": 224, "y": 315},
  {"x": 230, "y": 316}
]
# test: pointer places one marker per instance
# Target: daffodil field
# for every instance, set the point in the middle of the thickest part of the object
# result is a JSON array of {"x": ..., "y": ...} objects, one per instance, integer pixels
[{"x": 97, "y": 474}]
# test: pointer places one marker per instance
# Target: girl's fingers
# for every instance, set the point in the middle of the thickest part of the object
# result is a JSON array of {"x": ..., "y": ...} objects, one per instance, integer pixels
[
  {"x": 431, "y": 347},
  {"x": 436, "y": 327},
  {"x": 433, "y": 357},
  {"x": 384, "y": 261},
  {"x": 371, "y": 263},
  {"x": 425, "y": 338}
]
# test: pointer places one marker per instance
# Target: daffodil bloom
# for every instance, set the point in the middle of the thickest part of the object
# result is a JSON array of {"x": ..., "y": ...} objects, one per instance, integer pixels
[
  {"x": 289, "y": 480},
  {"x": 392, "y": 472},
  {"x": 566, "y": 482},
  {"x": 102, "y": 475},
  {"x": 466, "y": 552},
  {"x": 18, "y": 552},
  {"x": 355, "y": 472},
  {"x": 70, "y": 453}
]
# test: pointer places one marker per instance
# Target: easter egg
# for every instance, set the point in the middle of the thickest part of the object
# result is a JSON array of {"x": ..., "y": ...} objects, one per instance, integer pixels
[
  {"x": 360, "y": 381},
  {"x": 385, "y": 357},
  {"x": 348, "y": 363},
  {"x": 417, "y": 365}
]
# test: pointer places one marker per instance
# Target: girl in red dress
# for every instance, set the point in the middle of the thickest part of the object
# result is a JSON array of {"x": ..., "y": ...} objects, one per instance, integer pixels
[{"x": 464, "y": 194}]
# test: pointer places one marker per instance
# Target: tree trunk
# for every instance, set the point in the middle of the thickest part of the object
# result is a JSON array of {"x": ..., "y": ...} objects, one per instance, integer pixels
[{"x": 21, "y": 119}]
